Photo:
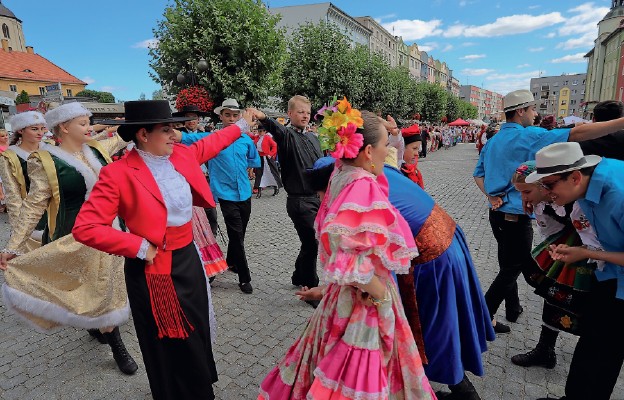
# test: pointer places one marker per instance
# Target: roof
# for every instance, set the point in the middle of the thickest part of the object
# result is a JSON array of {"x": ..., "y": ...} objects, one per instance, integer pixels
[
  {"x": 5, "y": 12},
  {"x": 17, "y": 64}
]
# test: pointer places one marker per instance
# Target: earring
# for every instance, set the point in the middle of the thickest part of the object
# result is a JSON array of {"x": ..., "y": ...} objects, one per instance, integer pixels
[
  {"x": 372, "y": 166},
  {"x": 145, "y": 139}
]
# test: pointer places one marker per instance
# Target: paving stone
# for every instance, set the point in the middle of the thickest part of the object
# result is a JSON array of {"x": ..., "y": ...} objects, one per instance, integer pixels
[{"x": 254, "y": 331}]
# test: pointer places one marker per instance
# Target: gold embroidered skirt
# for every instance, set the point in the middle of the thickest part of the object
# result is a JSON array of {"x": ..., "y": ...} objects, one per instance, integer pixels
[{"x": 67, "y": 283}]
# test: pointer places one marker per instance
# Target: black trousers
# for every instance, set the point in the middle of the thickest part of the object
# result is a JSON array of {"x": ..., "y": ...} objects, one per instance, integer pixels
[
  {"x": 176, "y": 368},
  {"x": 302, "y": 211},
  {"x": 514, "y": 236},
  {"x": 236, "y": 216},
  {"x": 423, "y": 150},
  {"x": 267, "y": 165},
  {"x": 599, "y": 353}
]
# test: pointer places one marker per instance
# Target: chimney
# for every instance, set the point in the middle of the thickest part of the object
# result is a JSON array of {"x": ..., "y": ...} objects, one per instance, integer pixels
[
  {"x": 5, "y": 44},
  {"x": 30, "y": 50}
]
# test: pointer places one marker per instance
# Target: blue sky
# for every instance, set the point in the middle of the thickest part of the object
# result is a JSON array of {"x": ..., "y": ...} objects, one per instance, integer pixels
[{"x": 499, "y": 45}]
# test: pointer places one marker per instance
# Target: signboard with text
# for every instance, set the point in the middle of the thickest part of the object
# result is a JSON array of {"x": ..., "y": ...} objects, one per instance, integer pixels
[{"x": 54, "y": 92}]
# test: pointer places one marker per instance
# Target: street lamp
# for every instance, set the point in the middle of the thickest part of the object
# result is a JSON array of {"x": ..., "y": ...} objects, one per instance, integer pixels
[{"x": 190, "y": 76}]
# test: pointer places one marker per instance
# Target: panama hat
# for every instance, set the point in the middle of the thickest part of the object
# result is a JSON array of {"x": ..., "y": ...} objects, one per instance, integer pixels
[
  {"x": 518, "y": 99},
  {"x": 559, "y": 158},
  {"x": 228, "y": 104},
  {"x": 143, "y": 112}
]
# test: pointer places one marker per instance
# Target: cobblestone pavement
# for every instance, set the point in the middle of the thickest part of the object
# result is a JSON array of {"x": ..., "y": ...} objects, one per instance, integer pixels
[{"x": 255, "y": 331}]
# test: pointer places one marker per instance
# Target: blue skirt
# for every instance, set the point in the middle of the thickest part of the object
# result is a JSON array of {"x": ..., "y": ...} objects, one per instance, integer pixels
[{"x": 454, "y": 317}]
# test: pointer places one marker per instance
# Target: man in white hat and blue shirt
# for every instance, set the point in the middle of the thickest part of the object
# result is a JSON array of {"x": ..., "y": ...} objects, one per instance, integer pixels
[
  {"x": 229, "y": 183},
  {"x": 597, "y": 184},
  {"x": 516, "y": 142}
]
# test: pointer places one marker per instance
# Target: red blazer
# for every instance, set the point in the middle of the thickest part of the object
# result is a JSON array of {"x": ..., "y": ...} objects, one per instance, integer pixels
[
  {"x": 127, "y": 188},
  {"x": 269, "y": 147}
]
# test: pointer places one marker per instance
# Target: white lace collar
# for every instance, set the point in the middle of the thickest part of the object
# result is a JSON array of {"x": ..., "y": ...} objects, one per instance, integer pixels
[
  {"x": 559, "y": 210},
  {"x": 90, "y": 175},
  {"x": 151, "y": 157},
  {"x": 23, "y": 154}
]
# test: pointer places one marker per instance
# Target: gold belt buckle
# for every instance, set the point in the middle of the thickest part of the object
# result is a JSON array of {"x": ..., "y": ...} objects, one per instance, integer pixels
[{"x": 511, "y": 217}]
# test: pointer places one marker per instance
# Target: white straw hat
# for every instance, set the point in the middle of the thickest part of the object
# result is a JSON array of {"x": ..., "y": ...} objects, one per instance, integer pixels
[
  {"x": 228, "y": 104},
  {"x": 558, "y": 158},
  {"x": 518, "y": 99}
]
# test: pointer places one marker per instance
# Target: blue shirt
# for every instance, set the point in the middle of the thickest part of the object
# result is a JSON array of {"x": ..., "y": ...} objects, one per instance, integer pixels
[
  {"x": 188, "y": 138},
  {"x": 228, "y": 170},
  {"x": 504, "y": 152},
  {"x": 604, "y": 210}
]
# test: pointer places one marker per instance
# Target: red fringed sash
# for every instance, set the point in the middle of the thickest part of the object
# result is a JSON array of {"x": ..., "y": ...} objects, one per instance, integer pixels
[{"x": 166, "y": 309}]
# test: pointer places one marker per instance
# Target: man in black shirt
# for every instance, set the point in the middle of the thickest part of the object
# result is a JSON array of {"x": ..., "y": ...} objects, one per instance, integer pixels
[
  {"x": 297, "y": 151},
  {"x": 610, "y": 146}
]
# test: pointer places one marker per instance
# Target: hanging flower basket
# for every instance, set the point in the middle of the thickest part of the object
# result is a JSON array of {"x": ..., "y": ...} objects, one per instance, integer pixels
[{"x": 196, "y": 96}]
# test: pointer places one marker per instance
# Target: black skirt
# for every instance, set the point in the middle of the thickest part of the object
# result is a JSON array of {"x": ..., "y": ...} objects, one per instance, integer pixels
[{"x": 176, "y": 368}]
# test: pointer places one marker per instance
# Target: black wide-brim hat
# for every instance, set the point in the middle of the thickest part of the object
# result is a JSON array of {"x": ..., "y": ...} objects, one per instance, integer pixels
[
  {"x": 143, "y": 112},
  {"x": 189, "y": 109}
]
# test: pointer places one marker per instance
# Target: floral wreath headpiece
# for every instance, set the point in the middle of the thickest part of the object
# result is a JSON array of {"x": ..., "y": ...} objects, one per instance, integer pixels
[{"x": 338, "y": 133}]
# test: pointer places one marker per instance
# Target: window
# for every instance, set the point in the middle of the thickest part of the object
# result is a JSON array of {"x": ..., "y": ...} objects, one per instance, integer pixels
[
  {"x": 562, "y": 112},
  {"x": 583, "y": 91},
  {"x": 5, "y": 31},
  {"x": 556, "y": 84},
  {"x": 69, "y": 93},
  {"x": 42, "y": 91},
  {"x": 575, "y": 82},
  {"x": 13, "y": 88},
  {"x": 572, "y": 102},
  {"x": 564, "y": 102},
  {"x": 565, "y": 83},
  {"x": 554, "y": 93}
]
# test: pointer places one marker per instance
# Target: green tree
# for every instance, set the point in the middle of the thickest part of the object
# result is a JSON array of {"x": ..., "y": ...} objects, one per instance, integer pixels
[
  {"x": 142, "y": 96},
  {"x": 318, "y": 64},
  {"x": 101, "y": 97},
  {"x": 452, "y": 108},
  {"x": 434, "y": 102},
  {"x": 467, "y": 110},
  {"x": 22, "y": 98},
  {"x": 159, "y": 95},
  {"x": 238, "y": 39}
]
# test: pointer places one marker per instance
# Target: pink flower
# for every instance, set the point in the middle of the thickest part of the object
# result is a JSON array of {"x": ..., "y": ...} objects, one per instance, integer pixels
[{"x": 350, "y": 142}]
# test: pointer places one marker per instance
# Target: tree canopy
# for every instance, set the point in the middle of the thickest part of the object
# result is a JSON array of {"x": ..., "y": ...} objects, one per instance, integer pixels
[
  {"x": 101, "y": 97},
  {"x": 238, "y": 39}
]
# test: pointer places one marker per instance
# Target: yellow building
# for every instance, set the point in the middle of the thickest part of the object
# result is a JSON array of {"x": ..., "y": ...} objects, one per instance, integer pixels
[
  {"x": 564, "y": 102},
  {"x": 22, "y": 69}
]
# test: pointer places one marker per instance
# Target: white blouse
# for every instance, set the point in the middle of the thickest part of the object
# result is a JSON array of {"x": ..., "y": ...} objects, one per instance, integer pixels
[{"x": 175, "y": 190}]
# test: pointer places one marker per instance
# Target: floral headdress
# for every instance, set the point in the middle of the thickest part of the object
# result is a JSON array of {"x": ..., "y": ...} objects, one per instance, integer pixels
[{"x": 338, "y": 133}]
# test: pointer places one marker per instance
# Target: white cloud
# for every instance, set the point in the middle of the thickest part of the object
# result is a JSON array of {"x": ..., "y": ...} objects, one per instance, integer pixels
[
  {"x": 387, "y": 16},
  {"x": 504, "y": 26},
  {"x": 146, "y": 44},
  {"x": 448, "y": 47},
  {"x": 476, "y": 71},
  {"x": 523, "y": 65},
  {"x": 533, "y": 7},
  {"x": 472, "y": 57},
  {"x": 428, "y": 46},
  {"x": 572, "y": 58},
  {"x": 551, "y": 35},
  {"x": 536, "y": 49},
  {"x": 514, "y": 76},
  {"x": 468, "y": 44},
  {"x": 113, "y": 88},
  {"x": 88, "y": 80},
  {"x": 414, "y": 29},
  {"x": 586, "y": 19},
  {"x": 584, "y": 41}
]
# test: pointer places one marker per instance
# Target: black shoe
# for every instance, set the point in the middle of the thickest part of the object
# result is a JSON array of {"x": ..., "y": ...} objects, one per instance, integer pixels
[
  {"x": 512, "y": 316},
  {"x": 246, "y": 287},
  {"x": 540, "y": 356},
  {"x": 313, "y": 303},
  {"x": 295, "y": 281},
  {"x": 501, "y": 328},
  {"x": 211, "y": 279},
  {"x": 259, "y": 193},
  {"x": 124, "y": 360},
  {"x": 95, "y": 333},
  {"x": 464, "y": 390},
  {"x": 275, "y": 191}
]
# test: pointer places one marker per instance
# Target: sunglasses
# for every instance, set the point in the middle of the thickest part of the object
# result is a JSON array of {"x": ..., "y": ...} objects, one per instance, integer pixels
[{"x": 551, "y": 185}]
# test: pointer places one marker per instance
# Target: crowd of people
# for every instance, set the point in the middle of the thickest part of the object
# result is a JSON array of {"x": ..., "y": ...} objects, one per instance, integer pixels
[{"x": 399, "y": 302}]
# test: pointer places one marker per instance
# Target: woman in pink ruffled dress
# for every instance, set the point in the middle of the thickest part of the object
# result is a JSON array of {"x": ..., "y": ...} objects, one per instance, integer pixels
[{"x": 358, "y": 343}]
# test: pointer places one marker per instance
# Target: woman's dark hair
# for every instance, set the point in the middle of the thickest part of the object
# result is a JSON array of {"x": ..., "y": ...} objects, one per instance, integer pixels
[
  {"x": 132, "y": 131},
  {"x": 370, "y": 130},
  {"x": 16, "y": 138}
]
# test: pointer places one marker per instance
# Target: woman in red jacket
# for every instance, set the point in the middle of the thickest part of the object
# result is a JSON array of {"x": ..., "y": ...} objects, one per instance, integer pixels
[
  {"x": 267, "y": 148},
  {"x": 153, "y": 190}
]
